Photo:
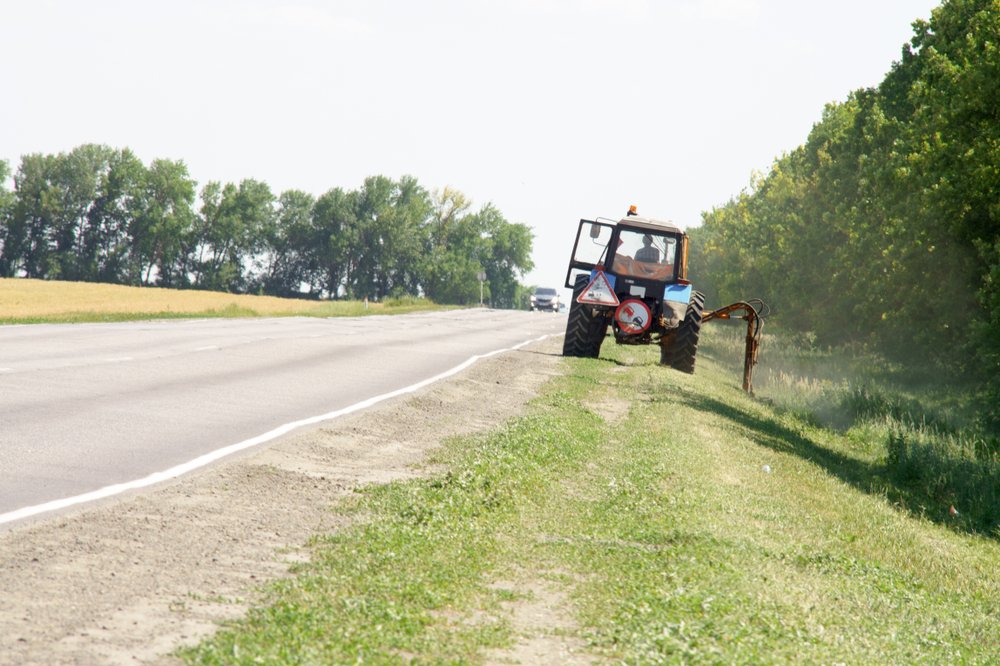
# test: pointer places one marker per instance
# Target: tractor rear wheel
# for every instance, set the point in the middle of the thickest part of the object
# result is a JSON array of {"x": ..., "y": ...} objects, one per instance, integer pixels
[
  {"x": 585, "y": 329},
  {"x": 680, "y": 353}
]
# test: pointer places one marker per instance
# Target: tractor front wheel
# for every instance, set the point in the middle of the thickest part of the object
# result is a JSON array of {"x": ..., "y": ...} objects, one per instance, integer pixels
[
  {"x": 680, "y": 353},
  {"x": 585, "y": 329}
]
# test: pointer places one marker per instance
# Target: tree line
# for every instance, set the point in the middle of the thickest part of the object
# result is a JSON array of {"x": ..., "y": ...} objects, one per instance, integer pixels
[
  {"x": 100, "y": 214},
  {"x": 883, "y": 229}
]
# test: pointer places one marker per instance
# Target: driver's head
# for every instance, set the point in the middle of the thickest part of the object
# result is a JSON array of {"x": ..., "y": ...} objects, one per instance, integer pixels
[{"x": 647, "y": 240}]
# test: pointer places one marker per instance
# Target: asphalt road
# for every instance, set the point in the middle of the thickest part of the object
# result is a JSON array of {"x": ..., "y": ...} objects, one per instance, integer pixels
[{"x": 85, "y": 407}]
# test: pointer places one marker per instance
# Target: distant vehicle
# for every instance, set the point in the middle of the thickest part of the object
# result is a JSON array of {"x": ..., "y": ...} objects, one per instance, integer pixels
[{"x": 544, "y": 298}]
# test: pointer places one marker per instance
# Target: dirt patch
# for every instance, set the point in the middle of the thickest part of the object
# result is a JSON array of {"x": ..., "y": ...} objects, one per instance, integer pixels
[
  {"x": 610, "y": 408},
  {"x": 131, "y": 580},
  {"x": 546, "y": 632}
]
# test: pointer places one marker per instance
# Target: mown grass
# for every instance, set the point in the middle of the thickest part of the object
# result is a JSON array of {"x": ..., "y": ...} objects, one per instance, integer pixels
[
  {"x": 688, "y": 524},
  {"x": 24, "y": 301},
  {"x": 919, "y": 436}
]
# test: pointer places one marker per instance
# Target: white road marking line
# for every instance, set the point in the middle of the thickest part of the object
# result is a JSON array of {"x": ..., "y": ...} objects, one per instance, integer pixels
[
  {"x": 209, "y": 347},
  {"x": 6, "y": 369},
  {"x": 118, "y": 359},
  {"x": 218, "y": 454}
]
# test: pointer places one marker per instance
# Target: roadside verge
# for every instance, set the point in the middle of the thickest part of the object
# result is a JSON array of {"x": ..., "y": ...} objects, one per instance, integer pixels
[{"x": 133, "y": 579}]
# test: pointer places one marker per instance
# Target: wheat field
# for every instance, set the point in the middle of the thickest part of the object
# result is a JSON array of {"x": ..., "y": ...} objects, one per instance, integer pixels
[{"x": 33, "y": 301}]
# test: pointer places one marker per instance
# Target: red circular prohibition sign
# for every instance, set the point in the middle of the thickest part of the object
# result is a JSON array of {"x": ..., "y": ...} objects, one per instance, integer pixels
[{"x": 633, "y": 316}]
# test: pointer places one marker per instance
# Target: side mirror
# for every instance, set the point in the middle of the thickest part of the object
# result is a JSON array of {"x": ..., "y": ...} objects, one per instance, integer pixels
[{"x": 595, "y": 231}]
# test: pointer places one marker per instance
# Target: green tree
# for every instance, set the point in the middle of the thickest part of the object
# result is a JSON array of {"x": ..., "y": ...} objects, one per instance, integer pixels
[
  {"x": 390, "y": 228},
  {"x": 231, "y": 232},
  {"x": 506, "y": 255},
  {"x": 28, "y": 242},
  {"x": 332, "y": 242},
  {"x": 77, "y": 228},
  {"x": 70, "y": 213},
  {"x": 462, "y": 244},
  {"x": 407, "y": 237},
  {"x": 97, "y": 213},
  {"x": 289, "y": 254},
  {"x": 104, "y": 253},
  {"x": 162, "y": 226},
  {"x": 454, "y": 252},
  {"x": 882, "y": 228},
  {"x": 7, "y": 201}
]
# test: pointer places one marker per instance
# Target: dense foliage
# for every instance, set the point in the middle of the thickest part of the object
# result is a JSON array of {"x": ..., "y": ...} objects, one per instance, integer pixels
[
  {"x": 100, "y": 214},
  {"x": 884, "y": 227}
]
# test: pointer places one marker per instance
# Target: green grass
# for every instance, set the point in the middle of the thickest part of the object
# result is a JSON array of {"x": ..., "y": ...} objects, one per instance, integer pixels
[
  {"x": 698, "y": 525},
  {"x": 919, "y": 436}
]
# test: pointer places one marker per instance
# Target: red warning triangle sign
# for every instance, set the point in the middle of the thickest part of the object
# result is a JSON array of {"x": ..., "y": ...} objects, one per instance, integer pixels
[{"x": 598, "y": 292}]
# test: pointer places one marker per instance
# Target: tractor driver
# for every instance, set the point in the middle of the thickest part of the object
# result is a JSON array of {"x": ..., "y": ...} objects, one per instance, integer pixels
[{"x": 647, "y": 252}]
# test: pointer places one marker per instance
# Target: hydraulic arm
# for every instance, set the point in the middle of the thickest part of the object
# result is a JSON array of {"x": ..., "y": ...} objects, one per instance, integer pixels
[{"x": 754, "y": 311}]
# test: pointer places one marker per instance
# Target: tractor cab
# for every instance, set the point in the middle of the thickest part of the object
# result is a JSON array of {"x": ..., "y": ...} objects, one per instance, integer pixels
[
  {"x": 646, "y": 253},
  {"x": 641, "y": 264}
]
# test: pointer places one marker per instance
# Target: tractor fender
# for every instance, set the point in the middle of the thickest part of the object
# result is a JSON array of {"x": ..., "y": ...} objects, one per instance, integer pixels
[{"x": 675, "y": 301}]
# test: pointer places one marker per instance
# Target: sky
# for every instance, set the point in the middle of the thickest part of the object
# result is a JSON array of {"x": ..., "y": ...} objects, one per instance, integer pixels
[{"x": 551, "y": 110}]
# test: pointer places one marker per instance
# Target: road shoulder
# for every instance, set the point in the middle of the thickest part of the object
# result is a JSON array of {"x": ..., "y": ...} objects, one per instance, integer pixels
[{"x": 133, "y": 579}]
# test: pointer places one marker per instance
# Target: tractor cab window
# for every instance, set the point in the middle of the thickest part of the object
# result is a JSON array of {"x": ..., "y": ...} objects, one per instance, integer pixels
[
  {"x": 644, "y": 254},
  {"x": 592, "y": 243}
]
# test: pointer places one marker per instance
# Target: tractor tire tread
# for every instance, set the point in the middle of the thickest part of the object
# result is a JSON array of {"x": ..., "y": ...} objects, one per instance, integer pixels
[
  {"x": 683, "y": 350},
  {"x": 585, "y": 331}
]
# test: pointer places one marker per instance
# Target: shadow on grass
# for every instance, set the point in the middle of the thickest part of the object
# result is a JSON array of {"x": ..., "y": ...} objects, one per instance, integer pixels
[
  {"x": 634, "y": 363},
  {"x": 865, "y": 476},
  {"x": 537, "y": 352},
  {"x": 778, "y": 437},
  {"x": 640, "y": 364}
]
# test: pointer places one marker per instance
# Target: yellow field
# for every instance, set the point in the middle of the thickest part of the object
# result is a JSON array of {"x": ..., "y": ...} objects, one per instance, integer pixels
[{"x": 23, "y": 300}]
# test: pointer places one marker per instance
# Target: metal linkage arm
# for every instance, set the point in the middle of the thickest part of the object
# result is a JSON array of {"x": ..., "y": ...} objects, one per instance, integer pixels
[{"x": 755, "y": 325}]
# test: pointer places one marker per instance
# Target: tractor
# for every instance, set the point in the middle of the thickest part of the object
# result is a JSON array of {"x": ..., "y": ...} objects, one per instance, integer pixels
[{"x": 635, "y": 282}]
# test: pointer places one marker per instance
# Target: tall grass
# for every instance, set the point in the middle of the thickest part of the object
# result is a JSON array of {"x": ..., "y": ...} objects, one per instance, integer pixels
[{"x": 923, "y": 436}]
